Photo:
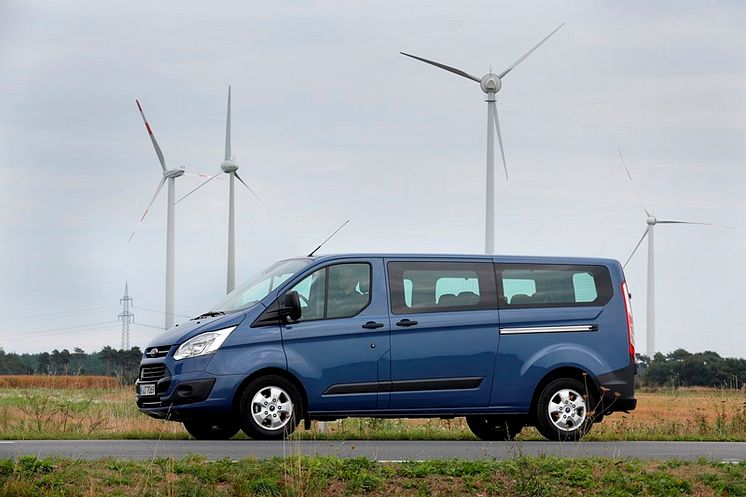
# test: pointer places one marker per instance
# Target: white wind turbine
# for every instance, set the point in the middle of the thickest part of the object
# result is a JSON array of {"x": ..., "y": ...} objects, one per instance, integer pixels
[
  {"x": 169, "y": 175},
  {"x": 229, "y": 167},
  {"x": 649, "y": 232},
  {"x": 490, "y": 84}
]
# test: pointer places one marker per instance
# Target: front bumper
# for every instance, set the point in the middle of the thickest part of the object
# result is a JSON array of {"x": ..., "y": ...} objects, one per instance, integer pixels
[
  {"x": 189, "y": 395},
  {"x": 183, "y": 392}
]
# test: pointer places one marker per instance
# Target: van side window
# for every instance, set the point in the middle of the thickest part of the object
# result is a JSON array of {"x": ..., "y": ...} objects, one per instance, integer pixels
[
  {"x": 419, "y": 287},
  {"x": 544, "y": 285},
  {"x": 335, "y": 291}
]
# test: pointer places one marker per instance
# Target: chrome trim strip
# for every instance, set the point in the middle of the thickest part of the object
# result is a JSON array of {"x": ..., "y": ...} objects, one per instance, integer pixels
[{"x": 548, "y": 329}]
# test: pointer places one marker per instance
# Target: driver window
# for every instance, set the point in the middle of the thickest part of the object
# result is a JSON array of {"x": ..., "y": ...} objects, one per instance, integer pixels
[
  {"x": 311, "y": 292},
  {"x": 349, "y": 286},
  {"x": 338, "y": 291}
]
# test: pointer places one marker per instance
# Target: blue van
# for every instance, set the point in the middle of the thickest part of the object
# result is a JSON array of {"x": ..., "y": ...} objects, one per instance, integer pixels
[{"x": 506, "y": 342}]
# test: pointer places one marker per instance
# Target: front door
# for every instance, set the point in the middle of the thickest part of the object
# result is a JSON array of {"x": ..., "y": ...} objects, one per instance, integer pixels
[
  {"x": 444, "y": 333},
  {"x": 339, "y": 348}
]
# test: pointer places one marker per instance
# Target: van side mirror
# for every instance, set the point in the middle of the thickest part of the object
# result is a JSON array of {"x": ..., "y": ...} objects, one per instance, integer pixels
[{"x": 290, "y": 306}]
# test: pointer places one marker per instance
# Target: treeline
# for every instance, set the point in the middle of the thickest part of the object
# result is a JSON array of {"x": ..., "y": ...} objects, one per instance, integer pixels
[
  {"x": 685, "y": 369},
  {"x": 122, "y": 364},
  {"x": 678, "y": 368}
]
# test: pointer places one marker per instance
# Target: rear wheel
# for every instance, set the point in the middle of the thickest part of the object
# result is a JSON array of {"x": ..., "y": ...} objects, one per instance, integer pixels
[
  {"x": 564, "y": 410},
  {"x": 211, "y": 430},
  {"x": 269, "y": 408},
  {"x": 494, "y": 428}
]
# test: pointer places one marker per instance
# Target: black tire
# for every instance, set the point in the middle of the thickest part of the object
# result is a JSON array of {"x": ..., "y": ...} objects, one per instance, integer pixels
[
  {"x": 494, "y": 428},
  {"x": 564, "y": 410},
  {"x": 275, "y": 408},
  {"x": 202, "y": 429}
]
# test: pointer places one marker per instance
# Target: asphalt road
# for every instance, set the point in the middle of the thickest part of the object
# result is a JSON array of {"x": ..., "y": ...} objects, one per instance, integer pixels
[{"x": 379, "y": 450}]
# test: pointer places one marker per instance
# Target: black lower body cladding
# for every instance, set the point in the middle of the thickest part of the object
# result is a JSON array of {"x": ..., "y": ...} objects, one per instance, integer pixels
[{"x": 618, "y": 389}]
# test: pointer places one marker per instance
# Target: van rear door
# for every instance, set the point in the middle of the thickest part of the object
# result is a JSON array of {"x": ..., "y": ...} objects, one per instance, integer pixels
[{"x": 555, "y": 315}]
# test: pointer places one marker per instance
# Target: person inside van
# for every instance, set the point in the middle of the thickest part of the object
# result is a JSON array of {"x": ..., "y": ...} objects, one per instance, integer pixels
[{"x": 346, "y": 287}]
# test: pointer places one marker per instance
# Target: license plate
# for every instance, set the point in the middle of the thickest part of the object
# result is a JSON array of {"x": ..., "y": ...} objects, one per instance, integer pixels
[{"x": 147, "y": 389}]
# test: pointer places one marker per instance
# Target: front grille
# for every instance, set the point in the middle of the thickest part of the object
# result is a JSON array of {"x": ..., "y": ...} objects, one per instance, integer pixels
[
  {"x": 155, "y": 352},
  {"x": 153, "y": 373}
]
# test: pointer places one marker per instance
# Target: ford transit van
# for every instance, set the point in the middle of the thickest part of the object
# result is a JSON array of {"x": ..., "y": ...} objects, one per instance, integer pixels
[{"x": 505, "y": 342}]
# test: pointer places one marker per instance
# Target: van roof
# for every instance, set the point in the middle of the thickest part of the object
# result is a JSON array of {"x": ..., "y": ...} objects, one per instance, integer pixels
[{"x": 520, "y": 259}]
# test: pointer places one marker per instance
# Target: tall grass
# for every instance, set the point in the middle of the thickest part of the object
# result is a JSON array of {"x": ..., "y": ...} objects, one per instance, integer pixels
[
  {"x": 109, "y": 411},
  {"x": 77, "y": 407}
]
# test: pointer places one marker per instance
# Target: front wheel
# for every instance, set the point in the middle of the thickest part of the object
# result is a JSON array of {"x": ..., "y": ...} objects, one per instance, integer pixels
[
  {"x": 494, "y": 428},
  {"x": 211, "y": 430},
  {"x": 564, "y": 410},
  {"x": 269, "y": 408}
]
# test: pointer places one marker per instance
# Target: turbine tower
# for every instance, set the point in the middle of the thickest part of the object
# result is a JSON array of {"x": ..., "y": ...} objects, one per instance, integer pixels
[
  {"x": 490, "y": 84},
  {"x": 169, "y": 175},
  {"x": 649, "y": 232},
  {"x": 229, "y": 167}
]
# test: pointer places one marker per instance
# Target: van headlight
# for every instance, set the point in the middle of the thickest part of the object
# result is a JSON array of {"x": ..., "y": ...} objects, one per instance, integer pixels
[{"x": 204, "y": 343}]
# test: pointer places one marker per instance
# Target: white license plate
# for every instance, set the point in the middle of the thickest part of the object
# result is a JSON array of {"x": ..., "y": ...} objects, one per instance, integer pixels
[{"x": 147, "y": 389}]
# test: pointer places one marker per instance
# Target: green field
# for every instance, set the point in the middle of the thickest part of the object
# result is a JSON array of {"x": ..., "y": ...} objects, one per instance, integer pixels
[{"x": 322, "y": 476}]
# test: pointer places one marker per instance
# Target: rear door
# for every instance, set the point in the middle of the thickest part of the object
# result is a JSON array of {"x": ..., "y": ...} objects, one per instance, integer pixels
[
  {"x": 444, "y": 332},
  {"x": 553, "y": 315}
]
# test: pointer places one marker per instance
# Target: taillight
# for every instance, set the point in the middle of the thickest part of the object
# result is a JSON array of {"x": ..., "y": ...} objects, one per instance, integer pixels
[{"x": 630, "y": 321}]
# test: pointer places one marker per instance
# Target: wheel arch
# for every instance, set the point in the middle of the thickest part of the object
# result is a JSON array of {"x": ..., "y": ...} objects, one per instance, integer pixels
[
  {"x": 572, "y": 372},
  {"x": 276, "y": 372}
]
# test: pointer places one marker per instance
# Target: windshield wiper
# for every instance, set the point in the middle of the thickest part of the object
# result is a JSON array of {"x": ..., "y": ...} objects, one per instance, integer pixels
[{"x": 209, "y": 314}]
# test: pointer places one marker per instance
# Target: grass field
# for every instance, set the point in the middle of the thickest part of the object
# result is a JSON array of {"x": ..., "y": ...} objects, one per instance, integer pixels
[
  {"x": 323, "y": 476},
  {"x": 74, "y": 409}
]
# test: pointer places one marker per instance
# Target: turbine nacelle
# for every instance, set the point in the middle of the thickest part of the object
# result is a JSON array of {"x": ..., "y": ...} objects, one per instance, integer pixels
[
  {"x": 652, "y": 220},
  {"x": 229, "y": 166},
  {"x": 173, "y": 173},
  {"x": 490, "y": 83}
]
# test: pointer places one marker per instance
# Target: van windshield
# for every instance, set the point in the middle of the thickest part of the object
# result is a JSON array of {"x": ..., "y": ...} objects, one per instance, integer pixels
[{"x": 260, "y": 285}]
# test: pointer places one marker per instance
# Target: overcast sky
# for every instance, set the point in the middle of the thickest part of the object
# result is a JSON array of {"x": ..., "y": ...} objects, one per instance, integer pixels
[{"x": 330, "y": 123}]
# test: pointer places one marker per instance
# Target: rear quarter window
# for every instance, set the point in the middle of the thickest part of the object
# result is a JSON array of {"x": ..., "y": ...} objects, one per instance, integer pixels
[{"x": 552, "y": 285}]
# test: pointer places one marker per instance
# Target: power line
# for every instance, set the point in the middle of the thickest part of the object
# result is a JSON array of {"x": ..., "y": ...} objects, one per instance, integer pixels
[
  {"x": 148, "y": 326},
  {"x": 37, "y": 333},
  {"x": 138, "y": 308},
  {"x": 61, "y": 313}
]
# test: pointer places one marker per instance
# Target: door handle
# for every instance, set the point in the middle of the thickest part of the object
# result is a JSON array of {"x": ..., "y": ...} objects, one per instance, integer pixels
[
  {"x": 406, "y": 322},
  {"x": 372, "y": 325}
]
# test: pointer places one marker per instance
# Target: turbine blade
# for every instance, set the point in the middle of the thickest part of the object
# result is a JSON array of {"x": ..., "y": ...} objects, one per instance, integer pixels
[
  {"x": 252, "y": 191},
  {"x": 200, "y": 186},
  {"x": 525, "y": 56},
  {"x": 142, "y": 218},
  {"x": 443, "y": 66},
  {"x": 499, "y": 138},
  {"x": 152, "y": 137},
  {"x": 634, "y": 186},
  {"x": 228, "y": 128},
  {"x": 635, "y": 249},
  {"x": 197, "y": 175},
  {"x": 672, "y": 221}
]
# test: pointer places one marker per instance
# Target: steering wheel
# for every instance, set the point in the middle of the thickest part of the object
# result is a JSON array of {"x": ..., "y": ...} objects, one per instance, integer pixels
[{"x": 304, "y": 300}]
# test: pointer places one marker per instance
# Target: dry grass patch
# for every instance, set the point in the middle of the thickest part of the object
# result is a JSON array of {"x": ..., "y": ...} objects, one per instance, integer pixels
[{"x": 51, "y": 381}]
